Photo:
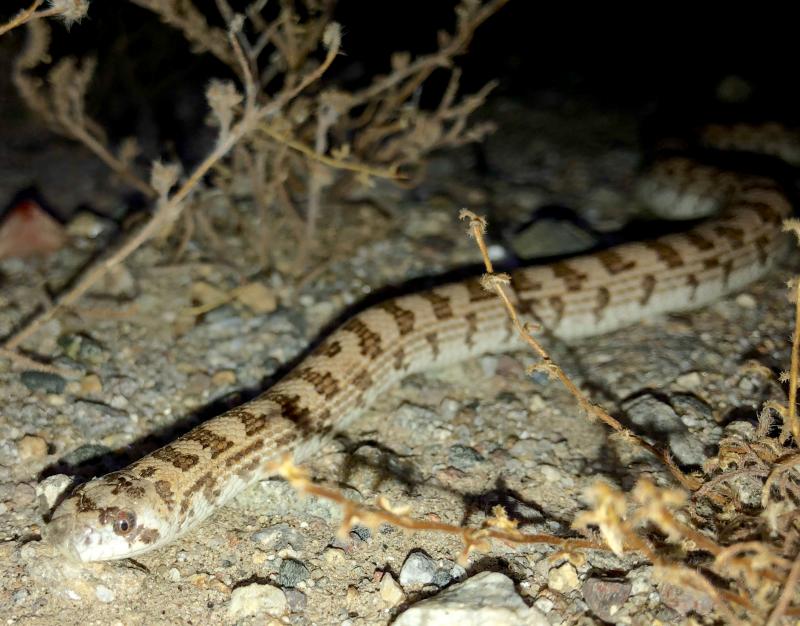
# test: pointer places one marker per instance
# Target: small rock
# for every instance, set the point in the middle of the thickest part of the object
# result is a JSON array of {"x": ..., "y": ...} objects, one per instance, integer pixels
[
  {"x": 28, "y": 230},
  {"x": 20, "y": 595},
  {"x": 690, "y": 381},
  {"x": 292, "y": 572},
  {"x": 352, "y": 596},
  {"x": 206, "y": 297},
  {"x": 563, "y": 578},
  {"x": 23, "y": 494},
  {"x": 31, "y": 447},
  {"x": 117, "y": 282},
  {"x": 418, "y": 569},
  {"x": 43, "y": 381},
  {"x": 104, "y": 594},
  {"x": 91, "y": 385},
  {"x": 463, "y": 457},
  {"x": 278, "y": 537},
  {"x": 605, "y": 597},
  {"x": 50, "y": 489},
  {"x": 297, "y": 600},
  {"x": 659, "y": 418},
  {"x": 225, "y": 378},
  {"x": 746, "y": 301},
  {"x": 257, "y": 598},
  {"x": 257, "y": 297},
  {"x": 360, "y": 533},
  {"x": 545, "y": 605},
  {"x": 486, "y": 598},
  {"x": 391, "y": 593},
  {"x": 84, "y": 453},
  {"x": 72, "y": 594},
  {"x": 693, "y": 412},
  {"x": 82, "y": 348},
  {"x": 684, "y": 600},
  {"x": 333, "y": 555},
  {"x": 87, "y": 225},
  {"x": 546, "y": 237},
  {"x": 555, "y": 477}
]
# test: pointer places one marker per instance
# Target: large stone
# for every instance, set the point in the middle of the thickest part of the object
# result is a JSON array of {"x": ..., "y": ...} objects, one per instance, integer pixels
[{"x": 486, "y": 598}]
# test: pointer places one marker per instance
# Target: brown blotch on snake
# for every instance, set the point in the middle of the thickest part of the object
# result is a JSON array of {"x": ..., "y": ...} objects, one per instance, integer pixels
[
  {"x": 402, "y": 317},
  {"x": 209, "y": 440},
  {"x": 369, "y": 342}
]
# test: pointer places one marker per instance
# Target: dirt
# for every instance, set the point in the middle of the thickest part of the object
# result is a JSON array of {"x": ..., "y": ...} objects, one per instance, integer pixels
[{"x": 449, "y": 444}]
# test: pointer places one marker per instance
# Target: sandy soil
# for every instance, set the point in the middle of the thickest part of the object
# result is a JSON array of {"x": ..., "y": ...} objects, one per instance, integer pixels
[{"x": 449, "y": 444}]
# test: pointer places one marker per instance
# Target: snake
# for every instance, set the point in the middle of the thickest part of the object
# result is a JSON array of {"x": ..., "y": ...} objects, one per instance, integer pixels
[{"x": 167, "y": 493}]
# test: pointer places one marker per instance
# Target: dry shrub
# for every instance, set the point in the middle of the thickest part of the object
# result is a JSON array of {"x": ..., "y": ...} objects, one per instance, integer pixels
[{"x": 311, "y": 140}]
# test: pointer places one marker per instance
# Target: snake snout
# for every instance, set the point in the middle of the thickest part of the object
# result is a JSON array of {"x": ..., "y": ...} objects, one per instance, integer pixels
[{"x": 59, "y": 532}]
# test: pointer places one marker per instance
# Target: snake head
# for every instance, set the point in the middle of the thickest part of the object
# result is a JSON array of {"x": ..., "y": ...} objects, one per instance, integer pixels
[{"x": 107, "y": 519}]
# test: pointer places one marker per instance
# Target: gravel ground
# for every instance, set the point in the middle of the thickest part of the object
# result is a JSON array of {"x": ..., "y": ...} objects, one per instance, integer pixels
[{"x": 449, "y": 444}]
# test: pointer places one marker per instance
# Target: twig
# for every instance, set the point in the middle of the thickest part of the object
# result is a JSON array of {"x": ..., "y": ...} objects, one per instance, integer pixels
[
  {"x": 378, "y": 172},
  {"x": 28, "y": 363},
  {"x": 441, "y": 58},
  {"x": 116, "y": 165},
  {"x": 794, "y": 423},
  {"x": 498, "y": 527},
  {"x": 23, "y": 16},
  {"x": 497, "y": 282},
  {"x": 789, "y": 589}
]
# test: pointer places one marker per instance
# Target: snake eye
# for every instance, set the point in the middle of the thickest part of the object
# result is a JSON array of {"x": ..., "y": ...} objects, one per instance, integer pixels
[{"x": 124, "y": 523}]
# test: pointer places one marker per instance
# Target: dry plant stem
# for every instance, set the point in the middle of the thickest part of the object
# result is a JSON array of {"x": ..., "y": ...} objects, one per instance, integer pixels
[
  {"x": 788, "y": 591},
  {"x": 473, "y": 538},
  {"x": 28, "y": 14},
  {"x": 390, "y": 173},
  {"x": 477, "y": 226},
  {"x": 188, "y": 20},
  {"x": 442, "y": 58},
  {"x": 118, "y": 167},
  {"x": 793, "y": 421},
  {"x": 25, "y": 362},
  {"x": 637, "y": 543},
  {"x": 169, "y": 210},
  {"x": 777, "y": 469}
]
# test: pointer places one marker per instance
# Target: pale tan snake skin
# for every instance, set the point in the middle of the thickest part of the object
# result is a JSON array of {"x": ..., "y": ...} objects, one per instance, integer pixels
[{"x": 161, "y": 496}]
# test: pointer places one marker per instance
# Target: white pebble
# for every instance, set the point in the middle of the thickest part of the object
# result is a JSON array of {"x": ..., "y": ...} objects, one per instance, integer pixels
[
  {"x": 256, "y": 599},
  {"x": 563, "y": 578},
  {"x": 104, "y": 594},
  {"x": 746, "y": 301}
]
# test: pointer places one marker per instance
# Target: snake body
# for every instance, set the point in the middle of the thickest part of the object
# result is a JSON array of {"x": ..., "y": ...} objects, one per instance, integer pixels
[{"x": 166, "y": 493}]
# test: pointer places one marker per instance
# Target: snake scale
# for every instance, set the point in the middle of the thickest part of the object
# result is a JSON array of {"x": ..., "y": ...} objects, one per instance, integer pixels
[{"x": 168, "y": 492}]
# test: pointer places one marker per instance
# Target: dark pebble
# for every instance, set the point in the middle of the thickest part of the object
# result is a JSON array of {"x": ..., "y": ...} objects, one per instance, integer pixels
[
  {"x": 463, "y": 457},
  {"x": 43, "y": 381},
  {"x": 291, "y": 573}
]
